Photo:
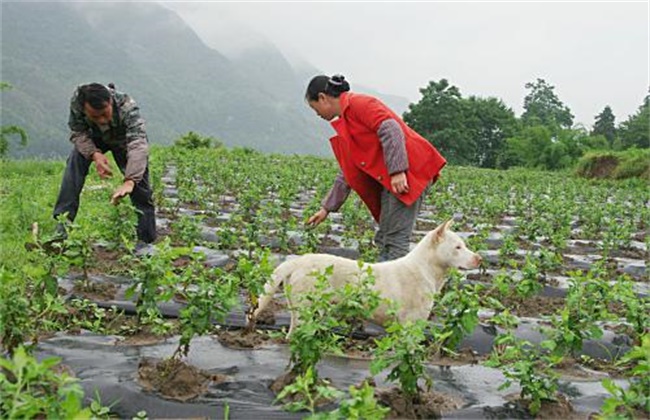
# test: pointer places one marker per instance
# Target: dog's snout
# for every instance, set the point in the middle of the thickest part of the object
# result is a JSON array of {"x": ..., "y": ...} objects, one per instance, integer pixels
[{"x": 478, "y": 259}]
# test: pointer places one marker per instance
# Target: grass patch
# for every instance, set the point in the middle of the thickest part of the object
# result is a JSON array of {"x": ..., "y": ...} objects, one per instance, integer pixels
[{"x": 631, "y": 163}]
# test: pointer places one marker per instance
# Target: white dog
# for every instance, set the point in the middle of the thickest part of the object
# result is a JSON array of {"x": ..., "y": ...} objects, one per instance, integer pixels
[{"x": 410, "y": 281}]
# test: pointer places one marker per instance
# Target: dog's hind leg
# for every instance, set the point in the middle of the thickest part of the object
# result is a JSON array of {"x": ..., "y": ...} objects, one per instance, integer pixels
[{"x": 293, "y": 324}]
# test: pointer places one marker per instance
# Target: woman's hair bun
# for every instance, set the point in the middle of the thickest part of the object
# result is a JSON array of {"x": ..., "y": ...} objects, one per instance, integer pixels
[
  {"x": 337, "y": 79},
  {"x": 338, "y": 83}
]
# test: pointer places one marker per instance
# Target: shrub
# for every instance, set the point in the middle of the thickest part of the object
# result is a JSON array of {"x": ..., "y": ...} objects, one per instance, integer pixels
[
  {"x": 193, "y": 140},
  {"x": 362, "y": 404},
  {"x": 33, "y": 389},
  {"x": 403, "y": 349},
  {"x": 520, "y": 361},
  {"x": 615, "y": 165},
  {"x": 8, "y": 131},
  {"x": 16, "y": 323},
  {"x": 625, "y": 402},
  {"x": 314, "y": 335}
]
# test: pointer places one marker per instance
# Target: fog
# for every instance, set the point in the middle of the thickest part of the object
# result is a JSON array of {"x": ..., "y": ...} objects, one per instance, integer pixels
[{"x": 594, "y": 53}]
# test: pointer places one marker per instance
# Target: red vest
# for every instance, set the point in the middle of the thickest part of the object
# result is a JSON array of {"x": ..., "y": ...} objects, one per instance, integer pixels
[{"x": 358, "y": 150}]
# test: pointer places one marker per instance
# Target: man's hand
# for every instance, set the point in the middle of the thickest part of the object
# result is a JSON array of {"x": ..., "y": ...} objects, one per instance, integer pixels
[
  {"x": 399, "y": 183},
  {"x": 124, "y": 190},
  {"x": 317, "y": 218},
  {"x": 103, "y": 167}
]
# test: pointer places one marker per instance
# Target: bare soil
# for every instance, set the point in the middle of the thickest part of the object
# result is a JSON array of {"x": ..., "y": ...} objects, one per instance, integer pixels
[
  {"x": 641, "y": 236},
  {"x": 580, "y": 248},
  {"x": 359, "y": 349},
  {"x": 211, "y": 222},
  {"x": 287, "y": 378},
  {"x": 572, "y": 370},
  {"x": 93, "y": 290},
  {"x": 601, "y": 167},
  {"x": 464, "y": 356},
  {"x": 329, "y": 242},
  {"x": 140, "y": 339},
  {"x": 174, "y": 379},
  {"x": 533, "y": 306},
  {"x": 60, "y": 369},
  {"x": 425, "y": 225},
  {"x": 106, "y": 260},
  {"x": 551, "y": 410},
  {"x": 164, "y": 231},
  {"x": 267, "y": 316},
  {"x": 142, "y": 335},
  {"x": 431, "y": 405},
  {"x": 608, "y": 367},
  {"x": 243, "y": 339},
  {"x": 636, "y": 413},
  {"x": 631, "y": 253},
  {"x": 192, "y": 205},
  {"x": 182, "y": 262}
]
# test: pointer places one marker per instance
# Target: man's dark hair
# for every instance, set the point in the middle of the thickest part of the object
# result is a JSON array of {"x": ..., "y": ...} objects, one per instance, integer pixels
[
  {"x": 332, "y": 86},
  {"x": 94, "y": 94}
]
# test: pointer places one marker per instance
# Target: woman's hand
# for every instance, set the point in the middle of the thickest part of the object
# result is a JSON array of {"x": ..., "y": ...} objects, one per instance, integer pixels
[
  {"x": 399, "y": 183},
  {"x": 317, "y": 218}
]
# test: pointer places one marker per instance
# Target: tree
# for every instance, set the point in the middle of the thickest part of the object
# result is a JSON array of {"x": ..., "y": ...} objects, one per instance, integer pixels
[
  {"x": 543, "y": 107},
  {"x": 527, "y": 148},
  {"x": 575, "y": 141},
  {"x": 439, "y": 117},
  {"x": 490, "y": 122},
  {"x": 6, "y": 131},
  {"x": 540, "y": 147},
  {"x": 604, "y": 125},
  {"x": 635, "y": 131}
]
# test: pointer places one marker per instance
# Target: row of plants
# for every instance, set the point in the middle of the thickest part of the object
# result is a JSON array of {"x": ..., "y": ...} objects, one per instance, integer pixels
[
  {"x": 406, "y": 349},
  {"x": 543, "y": 208},
  {"x": 275, "y": 206}
]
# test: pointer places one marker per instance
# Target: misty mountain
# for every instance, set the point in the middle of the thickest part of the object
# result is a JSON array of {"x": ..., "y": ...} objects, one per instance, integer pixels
[
  {"x": 150, "y": 53},
  {"x": 254, "y": 99},
  {"x": 266, "y": 64}
]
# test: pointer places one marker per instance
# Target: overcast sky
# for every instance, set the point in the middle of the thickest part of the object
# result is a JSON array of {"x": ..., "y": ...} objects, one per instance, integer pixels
[{"x": 594, "y": 53}]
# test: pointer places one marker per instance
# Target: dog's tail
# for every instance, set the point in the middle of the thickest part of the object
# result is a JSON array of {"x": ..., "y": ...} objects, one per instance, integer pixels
[{"x": 281, "y": 273}]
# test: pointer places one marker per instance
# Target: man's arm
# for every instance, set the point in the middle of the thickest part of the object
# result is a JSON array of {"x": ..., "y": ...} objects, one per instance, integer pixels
[{"x": 137, "y": 147}]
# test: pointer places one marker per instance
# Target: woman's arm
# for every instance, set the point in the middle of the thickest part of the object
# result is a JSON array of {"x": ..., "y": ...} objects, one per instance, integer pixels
[{"x": 333, "y": 201}]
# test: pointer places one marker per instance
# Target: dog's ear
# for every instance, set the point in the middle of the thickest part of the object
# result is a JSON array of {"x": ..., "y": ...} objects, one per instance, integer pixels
[{"x": 439, "y": 232}]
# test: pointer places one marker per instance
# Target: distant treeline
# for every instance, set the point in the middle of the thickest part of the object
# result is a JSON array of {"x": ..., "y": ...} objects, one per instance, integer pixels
[{"x": 484, "y": 132}]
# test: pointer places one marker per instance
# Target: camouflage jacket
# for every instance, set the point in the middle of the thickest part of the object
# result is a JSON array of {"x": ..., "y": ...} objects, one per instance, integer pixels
[{"x": 126, "y": 132}]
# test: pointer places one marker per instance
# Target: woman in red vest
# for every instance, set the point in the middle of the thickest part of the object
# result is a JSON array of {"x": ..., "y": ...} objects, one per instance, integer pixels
[{"x": 383, "y": 160}]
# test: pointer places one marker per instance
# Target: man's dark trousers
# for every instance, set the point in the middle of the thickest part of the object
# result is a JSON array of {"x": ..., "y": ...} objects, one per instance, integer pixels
[{"x": 73, "y": 181}]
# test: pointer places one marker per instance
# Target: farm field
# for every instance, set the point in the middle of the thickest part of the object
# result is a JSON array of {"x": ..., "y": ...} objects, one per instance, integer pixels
[{"x": 559, "y": 310}]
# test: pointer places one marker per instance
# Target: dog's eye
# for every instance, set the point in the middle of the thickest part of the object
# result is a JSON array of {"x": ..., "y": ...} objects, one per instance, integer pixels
[{"x": 458, "y": 247}]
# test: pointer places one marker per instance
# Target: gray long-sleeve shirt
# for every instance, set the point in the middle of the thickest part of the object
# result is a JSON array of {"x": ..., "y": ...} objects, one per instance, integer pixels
[
  {"x": 393, "y": 145},
  {"x": 126, "y": 131}
]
